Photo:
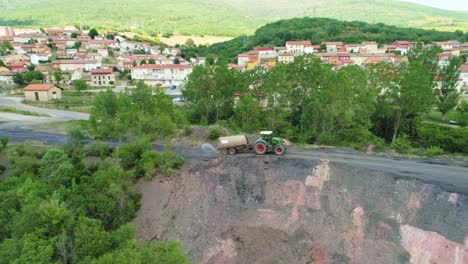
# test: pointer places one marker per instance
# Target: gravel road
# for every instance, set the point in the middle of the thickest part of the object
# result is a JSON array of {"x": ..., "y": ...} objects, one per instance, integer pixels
[{"x": 451, "y": 175}]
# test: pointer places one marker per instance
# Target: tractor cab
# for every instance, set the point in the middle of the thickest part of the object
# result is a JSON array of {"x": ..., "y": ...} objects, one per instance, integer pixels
[{"x": 267, "y": 143}]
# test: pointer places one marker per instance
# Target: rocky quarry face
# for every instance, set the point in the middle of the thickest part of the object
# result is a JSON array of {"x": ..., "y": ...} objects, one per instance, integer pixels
[{"x": 284, "y": 210}]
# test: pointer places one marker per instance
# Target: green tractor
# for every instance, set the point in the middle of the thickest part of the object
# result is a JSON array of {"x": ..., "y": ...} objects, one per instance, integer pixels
[{"x": 268, "y": 143}]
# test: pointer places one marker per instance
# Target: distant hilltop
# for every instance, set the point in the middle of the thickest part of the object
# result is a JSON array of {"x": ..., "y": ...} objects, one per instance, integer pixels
[{"x": 219, "y": 17}]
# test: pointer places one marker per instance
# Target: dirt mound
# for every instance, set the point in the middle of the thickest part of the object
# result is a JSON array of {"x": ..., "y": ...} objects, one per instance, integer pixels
[{"x": 287, "y": 210}]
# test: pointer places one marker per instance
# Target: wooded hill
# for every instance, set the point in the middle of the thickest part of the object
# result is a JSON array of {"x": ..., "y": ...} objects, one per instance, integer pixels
[{"x": 318, "y": 30}]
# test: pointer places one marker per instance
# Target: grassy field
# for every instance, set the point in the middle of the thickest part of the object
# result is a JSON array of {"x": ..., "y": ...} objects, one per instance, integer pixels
[
  {"x": 7, "y": 109},
  {"x": 72, "y": 101},
  {"x": 218, "y": 17}
]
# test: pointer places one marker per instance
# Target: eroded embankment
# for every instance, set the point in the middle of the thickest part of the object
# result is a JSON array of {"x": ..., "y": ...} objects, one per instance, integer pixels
[{"x": 284, "y": 210}]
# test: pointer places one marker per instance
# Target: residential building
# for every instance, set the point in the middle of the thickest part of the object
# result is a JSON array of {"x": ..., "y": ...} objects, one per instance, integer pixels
[
  {"x": 243, "y": 59},
  {"x": 42, "y": 92},
  {"x": 6, "y": 78},
  {"x": 463, "y": 84},
  {"x": 70, "y": 65},
  {"x": 6, "y": 31},
  {"x": 102, "y": 77},
  {"x": 286, "y": 58},
  {"x": 266, "y": 52},
  {"x": 20, "y": 66},
  {"x": 333, "y": 46},
  {"x": 370, "y": 46},
  {"x": 299, "y": 47},
  {"x": 76, "y": 75},
  {"x": 352, "y": 48},
  {"x": 164, "y": 75},
  {"x": 37, "y": 58}
]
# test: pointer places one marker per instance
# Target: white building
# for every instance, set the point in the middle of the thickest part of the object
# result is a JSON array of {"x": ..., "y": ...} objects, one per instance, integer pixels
[
  {"x": 38, "y": 58},
  {"x": 71, "y": 65},
  {"x": 299, "y": 47},
  {"x": 243, "y": 59},
  {"x": 164, "y": 75},
  {"x": 463, "y": 84}
]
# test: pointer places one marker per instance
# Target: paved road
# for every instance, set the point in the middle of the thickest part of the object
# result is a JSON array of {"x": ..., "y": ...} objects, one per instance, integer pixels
[
  {"x": 447, "y": 174},
  {"x": 12, "y": 120}
]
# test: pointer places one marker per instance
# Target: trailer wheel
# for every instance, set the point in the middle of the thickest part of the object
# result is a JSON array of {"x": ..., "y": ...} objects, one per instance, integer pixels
[
  {"x": 224, "y": 151},
  {"x": 232, "y": 151},
  {"x": 260, "y": 148},
  {"x": 279, "y": 150}
]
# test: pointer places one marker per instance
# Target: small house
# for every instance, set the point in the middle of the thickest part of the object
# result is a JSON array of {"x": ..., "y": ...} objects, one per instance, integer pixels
[
  {"x": 102, "y": 77},
  {"x": 42, "y": 92}
]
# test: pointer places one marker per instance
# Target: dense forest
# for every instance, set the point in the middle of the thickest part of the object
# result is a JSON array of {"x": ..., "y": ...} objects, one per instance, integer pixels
[
  {"x": 318, "y": 30},
  {"x": 73, "y": 204}
]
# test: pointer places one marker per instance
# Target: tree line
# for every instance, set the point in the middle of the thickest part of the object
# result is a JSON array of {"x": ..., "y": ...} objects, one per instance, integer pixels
[{"x": 308, "y": 101}]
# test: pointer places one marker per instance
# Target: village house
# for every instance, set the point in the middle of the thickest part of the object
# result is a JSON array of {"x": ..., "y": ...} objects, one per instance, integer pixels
[
  {"x": 37, "y": 58},
  {"x": 164, "y": 75},
  {"x": 352, "y": 48},
  {"x": 54, "y": 32},
  {"x": 30, "y": 37},
  {"x": 243, "y": 59},
  {"x": 286, "y": 58},
  {"x": 280, "y": 50},
  {"x": 370, "y": 46},
  {"x": 70, "y": 65},
  {"x": 444, "y": 58},
  {"x": 14, "y": 58},
  {"x": 42, "y": 92},
  {"x": 463, "y": 84},
  {"x": 76, "y": 75},
  {"x": 102, "y": 77},
  {"x": 299, "y": 47},
  {"x": 332, "y": 47},
  {"x": 6, "y": 31},
  {"x": 20, "y": 66},
  {"x": 6, "y": 78},
  {"x": 266, "y": 52}
]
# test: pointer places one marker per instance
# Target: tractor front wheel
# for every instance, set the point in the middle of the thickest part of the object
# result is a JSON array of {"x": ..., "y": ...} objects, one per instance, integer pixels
[
  {"x": 260, "y": 148},
  {"x": 279, "y": 150}
]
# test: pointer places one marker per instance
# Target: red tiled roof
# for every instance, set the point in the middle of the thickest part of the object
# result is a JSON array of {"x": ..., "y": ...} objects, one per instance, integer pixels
[
  {"x": 464, "y": 68},
  {"x": 73, "y": 62},
  {"x": 101, "y": 71},
  {"x": 265, "y": 49},
  {"x": 164, "y": 66},
  {"x": 301, "y": 42},
  {"x": 243, "y": 55},
  {"x": 39, "y": 87},
  {"x": 18, "y": 64},
  {"x": 339, "y": 43}
]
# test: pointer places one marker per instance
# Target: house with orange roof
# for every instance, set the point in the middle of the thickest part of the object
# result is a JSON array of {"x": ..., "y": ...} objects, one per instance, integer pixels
[
  {"x": 102, "y": 77},
  {"x": 42, "y": 92}
]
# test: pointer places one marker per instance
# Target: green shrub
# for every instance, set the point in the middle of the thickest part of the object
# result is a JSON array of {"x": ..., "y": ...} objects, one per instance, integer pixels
[
  {"x": 188, "y": 130},
  {"x": 99, "y": 149},
  {"x": 434, "y": 151},
  {"x": 452, "y": 140},
  {"x": 215, "y": 133},
  {"x": 402, "y": 144},
  {"x": 130, "y": 154}
]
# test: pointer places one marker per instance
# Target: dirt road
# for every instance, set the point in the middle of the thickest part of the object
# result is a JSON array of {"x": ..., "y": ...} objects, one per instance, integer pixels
[{"x": 8, "y": 120}]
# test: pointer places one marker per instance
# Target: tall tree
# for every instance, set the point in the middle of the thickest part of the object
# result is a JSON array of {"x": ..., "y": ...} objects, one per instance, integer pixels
[
  {"x": 446, "y": 93},
  {"x": 58, "y": 76},
  {"x": 93, "y": 33}
]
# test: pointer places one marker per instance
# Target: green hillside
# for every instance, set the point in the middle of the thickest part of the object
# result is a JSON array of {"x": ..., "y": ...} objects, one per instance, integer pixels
[
  {"x": 219, "y": 17},
  {"x": 319, "y": 30}
]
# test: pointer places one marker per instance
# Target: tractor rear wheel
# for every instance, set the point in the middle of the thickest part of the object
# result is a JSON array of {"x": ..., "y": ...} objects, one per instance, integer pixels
[
  {"x": 224, "y": 151},
  {"x": 232, "y": 151},
  {"x": 260, "y": 148},
  {"x": 279, "y": 150}
]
